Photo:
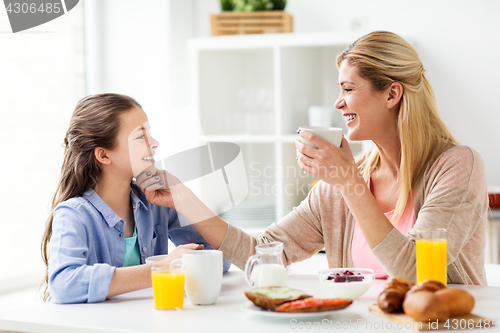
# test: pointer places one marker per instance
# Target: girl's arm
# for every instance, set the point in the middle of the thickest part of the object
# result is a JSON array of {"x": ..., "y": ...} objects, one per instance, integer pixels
[
  {"x": 74, "y": 276},
  {"x": 77, "y": 273},
  {"x": 127, "y": 279}
]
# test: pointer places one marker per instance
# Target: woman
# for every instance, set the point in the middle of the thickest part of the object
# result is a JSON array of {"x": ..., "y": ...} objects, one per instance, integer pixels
[
  {"x": 365, "y": 212},
  {"x": 101, "y": 227}
]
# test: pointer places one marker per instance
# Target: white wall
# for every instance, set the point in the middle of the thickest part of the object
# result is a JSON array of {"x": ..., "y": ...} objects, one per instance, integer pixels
[
  {"x": 141, "y": 51},
  {"x": 458, "y": 43},
  {"x": 126, "y": 51},
  {"x": 41, "y": 80}
]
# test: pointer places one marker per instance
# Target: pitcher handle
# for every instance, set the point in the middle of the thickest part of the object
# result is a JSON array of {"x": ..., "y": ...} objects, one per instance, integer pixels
[{"x": 252, "y": 260}]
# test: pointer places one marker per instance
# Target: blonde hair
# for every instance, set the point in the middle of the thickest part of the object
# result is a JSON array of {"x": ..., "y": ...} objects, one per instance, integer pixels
[{"x": 382, "y": 58}]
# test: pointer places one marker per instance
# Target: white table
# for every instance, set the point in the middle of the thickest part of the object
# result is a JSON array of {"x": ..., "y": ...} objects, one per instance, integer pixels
[{"x": 135, "y": 313}]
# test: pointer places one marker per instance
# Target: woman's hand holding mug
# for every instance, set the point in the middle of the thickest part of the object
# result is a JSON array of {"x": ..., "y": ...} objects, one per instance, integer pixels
[{"x": 334, "y": 165}]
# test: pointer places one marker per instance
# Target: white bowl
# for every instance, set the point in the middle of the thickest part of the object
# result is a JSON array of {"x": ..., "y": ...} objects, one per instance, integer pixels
[
  {"x": 153, "y": 259},
  {"x": 339, "y": 285}
]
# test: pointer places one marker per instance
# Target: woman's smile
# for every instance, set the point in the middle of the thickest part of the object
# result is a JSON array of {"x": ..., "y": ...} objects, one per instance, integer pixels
[{"x": 350, "y": 117}]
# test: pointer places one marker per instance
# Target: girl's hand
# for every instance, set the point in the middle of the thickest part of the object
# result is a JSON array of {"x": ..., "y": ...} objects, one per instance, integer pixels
[
  {"x": 177, "y": 253},
  {"x": 333, "y": 165},
  {"x": 160, "y": 187}
]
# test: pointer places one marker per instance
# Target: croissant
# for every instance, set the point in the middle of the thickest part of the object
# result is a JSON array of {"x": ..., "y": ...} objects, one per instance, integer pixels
[{"x": 392, "y": 297}]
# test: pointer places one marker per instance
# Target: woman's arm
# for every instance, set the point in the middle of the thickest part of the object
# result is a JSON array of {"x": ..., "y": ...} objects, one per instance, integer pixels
[
  {"x": 179, "y": 197},
  {"x": 300, "y": 230},
  {"x": 211, "y": 227},
  {"x": 181, "y": 232},
  {"x": 208, "y": 228},
  {"x": 455, "y": 193}
]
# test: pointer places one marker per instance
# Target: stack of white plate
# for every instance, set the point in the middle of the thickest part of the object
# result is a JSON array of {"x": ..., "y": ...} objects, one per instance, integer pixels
[{"x": 251, "y": 214}]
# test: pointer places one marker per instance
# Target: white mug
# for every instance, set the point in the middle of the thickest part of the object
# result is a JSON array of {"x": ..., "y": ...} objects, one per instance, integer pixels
[
  {"x": 321, "y": 115},
  {"x": 330, "y": 134},
  {"x": 203, "y": 275}
]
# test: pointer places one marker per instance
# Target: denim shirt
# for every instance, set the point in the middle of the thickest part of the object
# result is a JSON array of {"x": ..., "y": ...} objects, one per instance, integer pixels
[{"x": 88, "y": 243}]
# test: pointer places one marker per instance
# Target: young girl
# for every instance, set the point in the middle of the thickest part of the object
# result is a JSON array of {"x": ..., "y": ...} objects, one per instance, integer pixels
[{"x": 101, "y": 227}]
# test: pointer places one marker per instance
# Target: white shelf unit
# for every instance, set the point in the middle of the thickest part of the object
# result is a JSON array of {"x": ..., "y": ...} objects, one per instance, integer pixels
[{"x": 255, "y": 91}]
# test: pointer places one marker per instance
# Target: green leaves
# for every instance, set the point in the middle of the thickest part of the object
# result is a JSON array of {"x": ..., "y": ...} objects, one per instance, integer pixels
[
  {"x": 226, "y": 5},
  {"x": 252, "y": 5},
  {"x": 279, "y": 4}
]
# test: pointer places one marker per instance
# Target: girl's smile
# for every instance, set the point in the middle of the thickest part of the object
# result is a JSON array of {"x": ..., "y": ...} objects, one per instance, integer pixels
[{"x": 149, "y": 158}]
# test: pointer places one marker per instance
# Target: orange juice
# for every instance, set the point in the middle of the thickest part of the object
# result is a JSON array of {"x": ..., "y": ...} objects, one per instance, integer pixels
[
  {"x": 431, "y": 259},
  {"x": 168, "y": 288}
]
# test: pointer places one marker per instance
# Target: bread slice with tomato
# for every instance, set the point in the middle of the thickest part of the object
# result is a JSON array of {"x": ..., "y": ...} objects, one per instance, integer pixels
[
  {"x": 271, "y": 297},
  {"x": 314, "y": 305},
  {"x": 285, "y": 299}
]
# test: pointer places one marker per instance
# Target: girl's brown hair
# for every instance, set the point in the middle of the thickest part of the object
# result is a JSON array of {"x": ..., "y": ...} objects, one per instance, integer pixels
[
  {"x": 382, "y": 58},
  {"x": 94, "y": 123}
]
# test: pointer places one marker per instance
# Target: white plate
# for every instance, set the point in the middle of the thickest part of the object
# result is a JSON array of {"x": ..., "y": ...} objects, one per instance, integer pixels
[{"x": 249, "y": 307}]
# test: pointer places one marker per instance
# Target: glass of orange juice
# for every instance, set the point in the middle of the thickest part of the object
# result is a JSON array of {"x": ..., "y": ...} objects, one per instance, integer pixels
[
  {"x": 431, "y": 254},
  {"x": 168, "y": 287}
]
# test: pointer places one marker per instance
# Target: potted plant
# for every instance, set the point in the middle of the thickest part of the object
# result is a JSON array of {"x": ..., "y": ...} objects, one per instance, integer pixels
[
  {"x": 252, "y": 5},
  {"x": 251, "y": 17}
]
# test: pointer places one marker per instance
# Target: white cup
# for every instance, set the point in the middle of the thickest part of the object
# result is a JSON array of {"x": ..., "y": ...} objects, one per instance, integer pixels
[
  {"x": 321, "y": 115},
  {"x": 330, "y": 134},
  {"x": 153, "y": 259},
  {"x": 203, "y": 275}
]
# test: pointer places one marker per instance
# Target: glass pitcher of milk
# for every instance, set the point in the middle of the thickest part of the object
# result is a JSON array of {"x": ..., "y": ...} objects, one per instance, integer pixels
[{"x": 266, "y": 268}]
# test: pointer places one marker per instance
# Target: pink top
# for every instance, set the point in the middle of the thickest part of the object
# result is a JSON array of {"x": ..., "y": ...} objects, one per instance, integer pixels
[{"x": 362, "y": 256}]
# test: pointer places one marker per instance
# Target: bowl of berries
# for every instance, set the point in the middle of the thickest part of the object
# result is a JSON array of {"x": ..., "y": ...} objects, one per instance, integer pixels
[{"x": 346, "y": 282}]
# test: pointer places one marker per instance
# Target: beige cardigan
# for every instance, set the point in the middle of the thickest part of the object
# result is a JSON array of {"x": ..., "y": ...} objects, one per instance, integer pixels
[{"x": 452, "y": 195}]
